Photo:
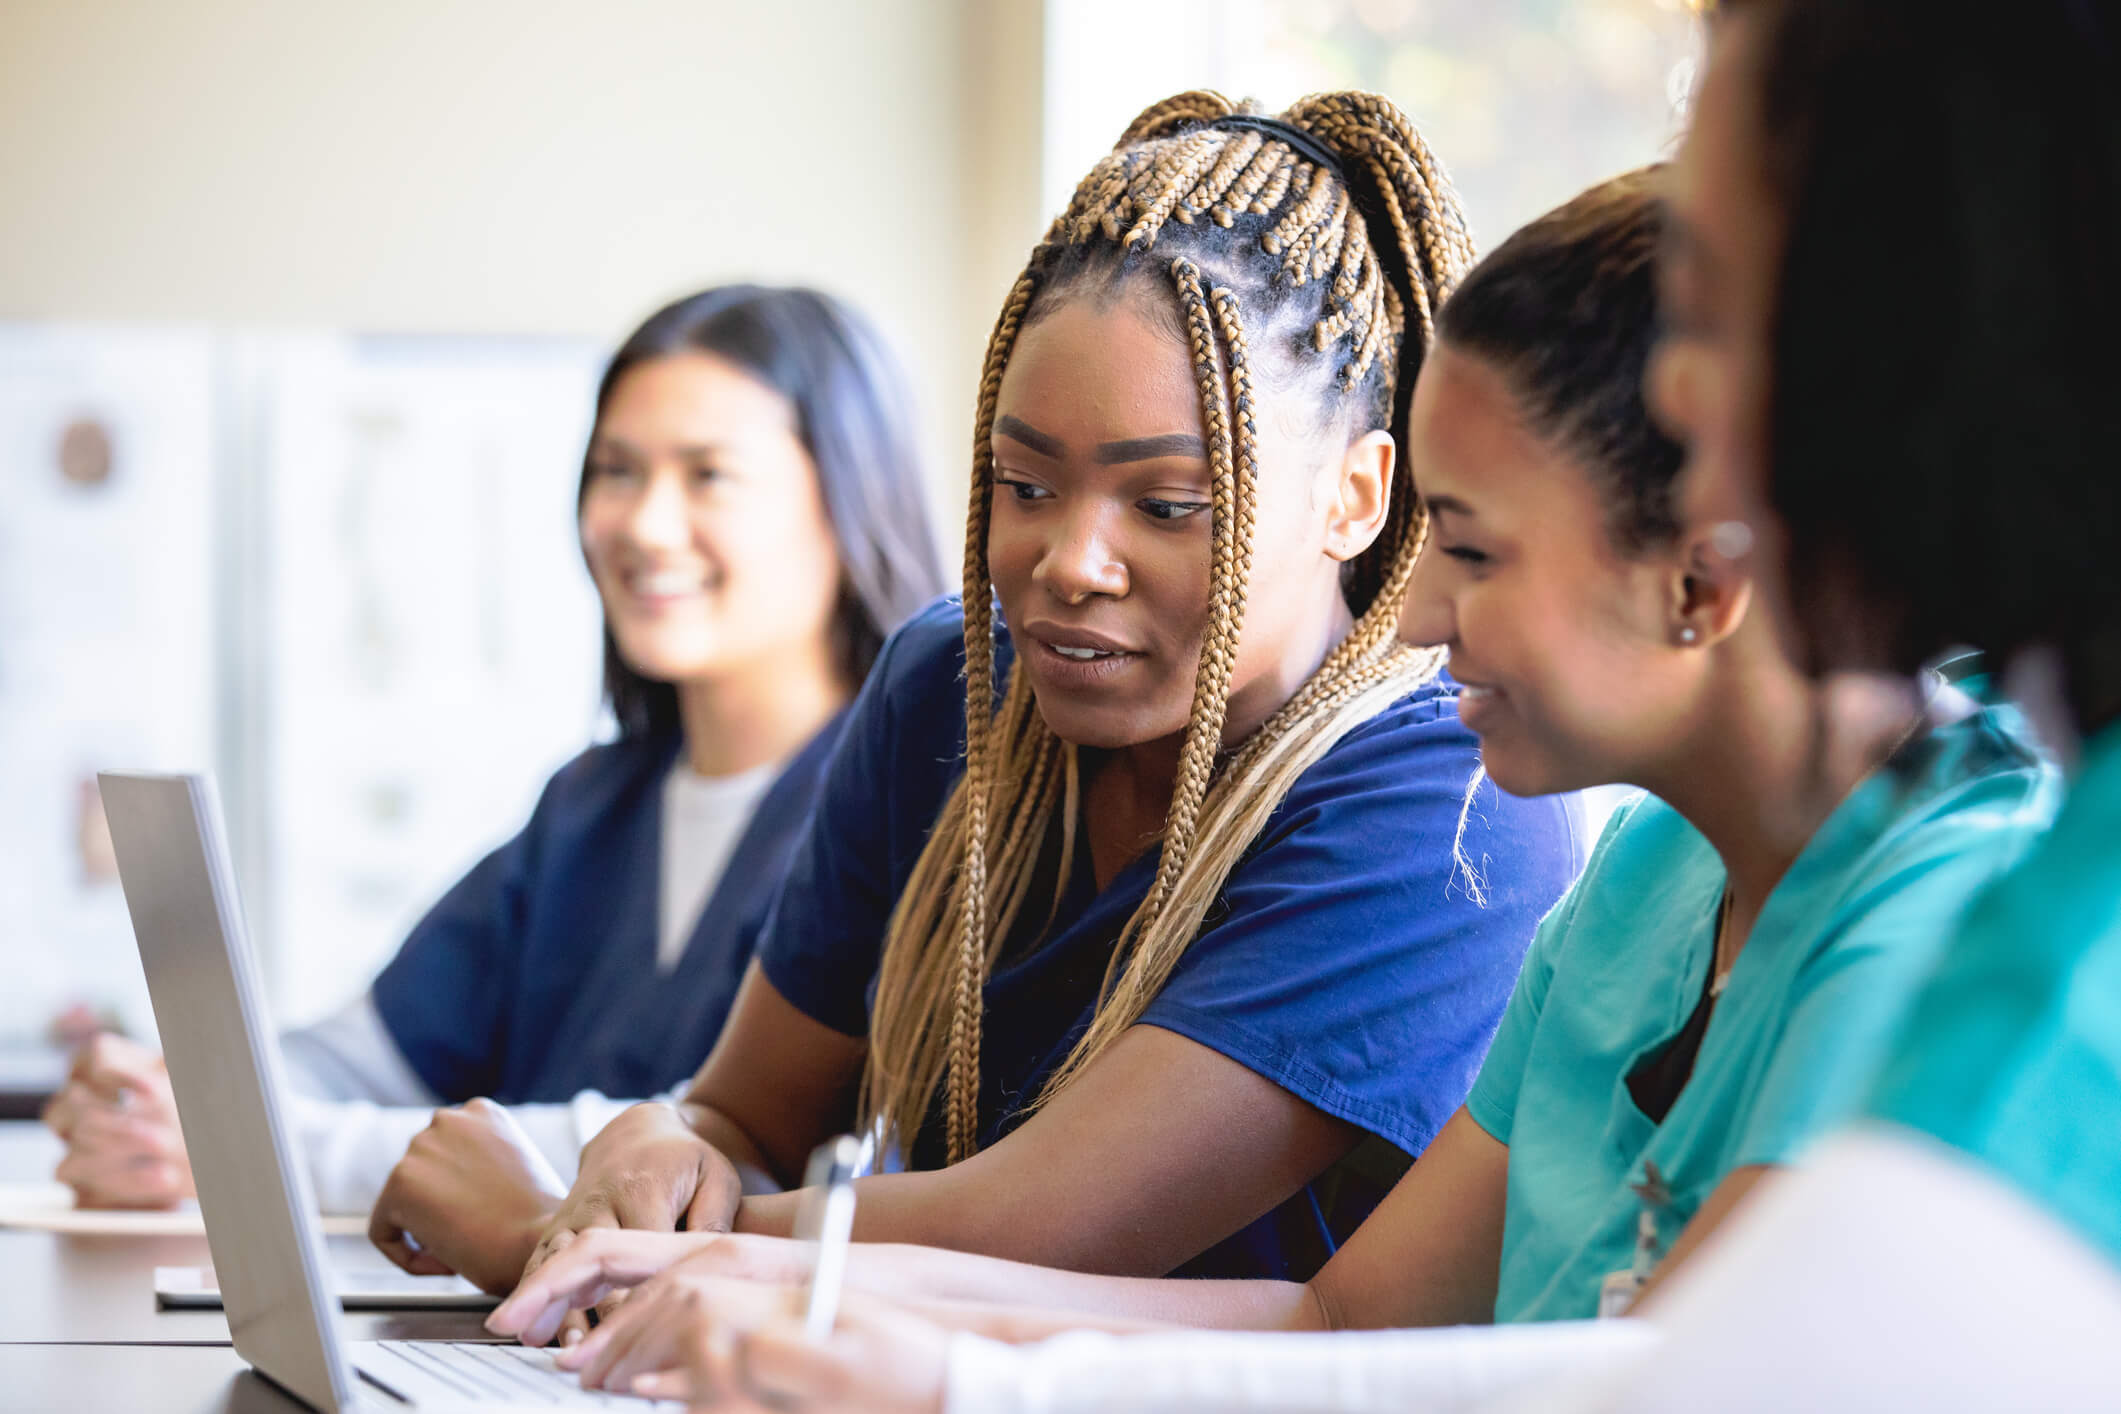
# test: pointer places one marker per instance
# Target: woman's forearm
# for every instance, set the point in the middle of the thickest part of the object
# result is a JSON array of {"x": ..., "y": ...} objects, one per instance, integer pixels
[
  {"x": 1169, "y": 1304},
  {"x": 1023, "y": 1325},
  {"x": 1017, "y": 1301}
]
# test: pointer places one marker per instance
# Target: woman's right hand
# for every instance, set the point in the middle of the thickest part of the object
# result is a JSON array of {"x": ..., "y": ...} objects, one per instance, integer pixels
[
  {"x": 587, "y": 1271},
  {"x": 647, "y": 1169}
]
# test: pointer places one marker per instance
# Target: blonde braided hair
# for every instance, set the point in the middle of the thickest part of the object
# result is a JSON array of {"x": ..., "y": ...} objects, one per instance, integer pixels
[{"x": 1356, "y": 260}]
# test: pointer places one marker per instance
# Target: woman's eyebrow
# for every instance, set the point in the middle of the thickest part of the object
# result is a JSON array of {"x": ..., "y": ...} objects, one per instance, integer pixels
[
  {"x": 1447, "y": 505},
  {"x": 1018, "y": 430},
  {"x": 697, "y": 451},
  {"x": 1142, "y": 449}
]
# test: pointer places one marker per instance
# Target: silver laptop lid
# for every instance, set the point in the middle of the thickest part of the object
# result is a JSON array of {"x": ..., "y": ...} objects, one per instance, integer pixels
[{"x": 224, "y": 1066}]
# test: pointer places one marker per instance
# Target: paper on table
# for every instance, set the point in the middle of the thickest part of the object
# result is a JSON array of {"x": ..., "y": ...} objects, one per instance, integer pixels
[{"x": 49, "y": 1207}]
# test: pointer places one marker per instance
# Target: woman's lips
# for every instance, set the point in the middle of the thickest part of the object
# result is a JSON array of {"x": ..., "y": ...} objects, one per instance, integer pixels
[
  {"x": 1475, "y": 701},
  {"x": 1077, "y": 666},
  {"x": 656, "y": 590}
]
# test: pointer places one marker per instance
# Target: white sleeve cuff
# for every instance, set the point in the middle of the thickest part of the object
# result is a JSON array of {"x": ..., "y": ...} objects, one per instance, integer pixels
[
  {"x": 351, "y": 1146},
  {"x": 560, "y": 1130}
]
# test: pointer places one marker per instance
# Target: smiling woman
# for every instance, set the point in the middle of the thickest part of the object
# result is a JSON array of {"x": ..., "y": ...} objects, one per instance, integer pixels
[
  {"x": 1130, "y": 917},
  {"x": 1630, "y": 1098},
  {"x": 750, "y": 511}
]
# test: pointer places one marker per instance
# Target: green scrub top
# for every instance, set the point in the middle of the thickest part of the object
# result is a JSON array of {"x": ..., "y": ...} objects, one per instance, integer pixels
[
  {"x": 2012, "y": 1052},
  {"x": 1792, "y": 1045}
]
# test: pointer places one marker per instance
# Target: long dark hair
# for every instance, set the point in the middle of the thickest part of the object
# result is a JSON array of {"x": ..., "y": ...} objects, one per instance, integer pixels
[
  {"x": 851, "y": 414},
  {"x": 1946, "y": 430}
]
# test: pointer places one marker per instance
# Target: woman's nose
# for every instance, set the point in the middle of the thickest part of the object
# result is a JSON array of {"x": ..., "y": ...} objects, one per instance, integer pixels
[
  {"x": 661, "y": 518},
  {"x": 1079, "y": 561}
]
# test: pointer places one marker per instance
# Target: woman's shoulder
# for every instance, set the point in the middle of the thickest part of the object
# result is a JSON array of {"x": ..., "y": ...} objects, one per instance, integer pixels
[
  {"x": 1411, "y": 776},
  {"x": 600, "y": 776},
  {"x": 1970, "y": 794},
  {"x": 1644, "y": 835},
  {"x": 1416, "y": 737},
  {"x": 924, "y": 658},
  {"x": 911, "y": 711}
]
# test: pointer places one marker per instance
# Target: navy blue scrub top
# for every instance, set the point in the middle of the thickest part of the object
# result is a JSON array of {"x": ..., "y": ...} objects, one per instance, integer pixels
[
  {"x": 535, "y": 977},
  {"x": 1347, "y": 960}
]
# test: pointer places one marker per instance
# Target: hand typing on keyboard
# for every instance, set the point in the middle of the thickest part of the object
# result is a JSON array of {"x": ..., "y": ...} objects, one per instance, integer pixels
[{"x": 744, "y": 1344}]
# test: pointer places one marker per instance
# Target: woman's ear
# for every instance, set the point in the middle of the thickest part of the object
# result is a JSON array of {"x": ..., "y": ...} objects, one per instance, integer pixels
[
  {"x": 1362, "y": 496},
  {"x": 1710, "y": 592}
]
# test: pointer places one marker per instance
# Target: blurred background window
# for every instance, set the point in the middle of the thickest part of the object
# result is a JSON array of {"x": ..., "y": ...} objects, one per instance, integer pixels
[{"x": 1527, "y": 102}]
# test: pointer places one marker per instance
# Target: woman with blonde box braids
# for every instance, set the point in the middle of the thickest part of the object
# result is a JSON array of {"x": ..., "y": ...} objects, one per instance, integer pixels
[
  {"x": 1709, "y": 998},
  {"x": 1155, "y": 911}
]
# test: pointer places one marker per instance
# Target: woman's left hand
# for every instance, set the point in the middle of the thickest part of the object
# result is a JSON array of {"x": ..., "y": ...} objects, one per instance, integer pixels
[{"x": 725, "y": 1343}]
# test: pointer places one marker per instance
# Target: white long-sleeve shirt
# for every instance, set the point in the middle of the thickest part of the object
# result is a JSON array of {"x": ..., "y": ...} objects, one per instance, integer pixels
[
  {"x": 1368, "y": 1372},
  {"x": 359, "y": 1102}
]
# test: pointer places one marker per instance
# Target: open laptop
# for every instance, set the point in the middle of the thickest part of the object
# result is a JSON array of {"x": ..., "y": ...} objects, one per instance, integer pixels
[{"x": 224, "y": 1068}]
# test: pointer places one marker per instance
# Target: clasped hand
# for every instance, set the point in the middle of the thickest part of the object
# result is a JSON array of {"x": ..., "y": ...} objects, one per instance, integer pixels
[
  {"x": 119, "y": 1120},
  {"x": 471, "y": 1196}
]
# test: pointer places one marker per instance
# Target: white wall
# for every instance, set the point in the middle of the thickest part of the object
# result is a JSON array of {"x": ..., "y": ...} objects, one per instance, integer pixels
[
  {"x": 498, "y": 166},
  {"x": 264, "y": 177}
]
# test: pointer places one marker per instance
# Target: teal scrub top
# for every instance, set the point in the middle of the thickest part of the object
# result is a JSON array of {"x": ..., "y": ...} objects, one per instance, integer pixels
[
  {"x": 2012, "y": 1051},
  {"x": 1793, "y": 1043}
]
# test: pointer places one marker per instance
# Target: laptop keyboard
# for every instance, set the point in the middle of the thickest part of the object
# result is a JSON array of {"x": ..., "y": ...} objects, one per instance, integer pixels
[{"x": 421, "y": 1371}]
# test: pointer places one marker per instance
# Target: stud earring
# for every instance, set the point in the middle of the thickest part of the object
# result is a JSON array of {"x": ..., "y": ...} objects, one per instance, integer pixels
[{"x": 1688, "y": 634}]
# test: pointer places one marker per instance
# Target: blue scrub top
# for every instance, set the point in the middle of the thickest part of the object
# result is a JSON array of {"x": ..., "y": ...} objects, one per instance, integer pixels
[
  {"x": 2012, "y": 1053},
  {"x": 1840, "y": 947},
  {"x": 535, "y": 977},
  {"x": 1347, "y": 960}
]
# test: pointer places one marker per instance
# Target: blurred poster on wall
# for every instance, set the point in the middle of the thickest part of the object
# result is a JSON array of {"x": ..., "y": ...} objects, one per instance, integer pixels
[
  {"x": 106, "y": 641},
  {"x": 427, "y": 639},
  {"x": 340, "y": 572}
]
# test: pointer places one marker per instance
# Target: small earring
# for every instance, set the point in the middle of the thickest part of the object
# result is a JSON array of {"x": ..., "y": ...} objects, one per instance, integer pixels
[{"x": 1689, "y": 634}]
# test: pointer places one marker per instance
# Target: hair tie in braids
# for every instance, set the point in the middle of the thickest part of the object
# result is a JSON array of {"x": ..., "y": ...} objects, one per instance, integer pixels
[
  {"x": 1287, "y": 134},
  {"x": 1332, "y": 237}
]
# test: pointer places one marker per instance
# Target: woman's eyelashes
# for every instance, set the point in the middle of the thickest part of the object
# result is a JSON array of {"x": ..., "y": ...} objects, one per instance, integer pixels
[
  {"x": 697, "y": 475},
  {"x": 1160, "y": 508},
  {"x": 1023, "y": 490},
  {"x": 1468, "y": 556}
]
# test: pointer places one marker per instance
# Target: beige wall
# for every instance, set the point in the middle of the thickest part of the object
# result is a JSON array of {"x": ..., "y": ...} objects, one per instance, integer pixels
[{"x": 500, "y": 165}]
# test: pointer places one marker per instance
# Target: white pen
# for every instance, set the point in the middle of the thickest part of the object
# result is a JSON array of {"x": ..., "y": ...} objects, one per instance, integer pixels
[{"x": 827, "y": 1219}]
